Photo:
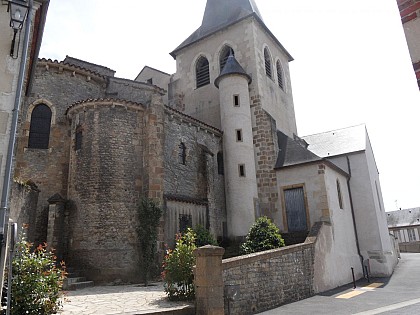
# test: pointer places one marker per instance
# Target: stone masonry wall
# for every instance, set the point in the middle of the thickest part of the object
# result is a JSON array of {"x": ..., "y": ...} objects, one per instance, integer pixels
[
  {"x": 266, "y": 148},
  {"x": 197, "y": 180},
  {"x": 58, "y": 86},
  {"x": 270, "y": 279},
  {"x": 106, "y": 181}
]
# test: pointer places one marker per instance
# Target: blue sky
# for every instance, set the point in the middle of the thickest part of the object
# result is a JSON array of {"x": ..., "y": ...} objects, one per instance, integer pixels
[{"x": 351, "y": 64}]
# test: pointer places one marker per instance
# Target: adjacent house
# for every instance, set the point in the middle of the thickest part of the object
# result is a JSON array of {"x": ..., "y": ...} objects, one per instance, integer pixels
[{"x": 404, "y": 225}]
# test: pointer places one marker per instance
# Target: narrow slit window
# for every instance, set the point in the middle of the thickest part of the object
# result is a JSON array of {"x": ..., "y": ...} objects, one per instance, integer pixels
[
  {"x": 78, "y": 139},
  {"x": 239, "y": 135},
  {"x": 236, "y": 100},
  {"x": 182, "y": 156},
  {"x": 242, "y": 170},
  {"x": 220, "y": 165},
  {"x": 340, "y": 196}
]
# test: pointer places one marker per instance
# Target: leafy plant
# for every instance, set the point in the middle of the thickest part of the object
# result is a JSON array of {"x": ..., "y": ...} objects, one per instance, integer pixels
[
  {"x": 203, "y": 237},
  {"x": 178, "y": 268},
  {"x": 149, "y": 216},
  {"x": 263, "y": 235},
  {"x": 36, "y": 280}
]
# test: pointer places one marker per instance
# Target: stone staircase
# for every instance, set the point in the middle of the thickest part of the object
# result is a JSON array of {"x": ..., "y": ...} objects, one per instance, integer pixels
[{"x": 75, "y": 282}]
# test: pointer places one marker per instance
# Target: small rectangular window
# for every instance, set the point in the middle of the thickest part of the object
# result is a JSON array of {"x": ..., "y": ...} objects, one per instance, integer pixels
[
  {"x": 242, "y": 170},
  {"x": 239, "y": 135},
  {"x": 236, "y": 100},
  {"x": 150, "y": 81},
  {"x": 78, "y": 138}
]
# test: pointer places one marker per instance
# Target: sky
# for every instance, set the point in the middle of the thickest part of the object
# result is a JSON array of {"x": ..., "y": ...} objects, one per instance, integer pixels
[{"x": 351, "y": 65}]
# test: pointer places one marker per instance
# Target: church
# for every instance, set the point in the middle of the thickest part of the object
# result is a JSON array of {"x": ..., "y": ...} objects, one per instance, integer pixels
[{"x": 215, "y": 143}]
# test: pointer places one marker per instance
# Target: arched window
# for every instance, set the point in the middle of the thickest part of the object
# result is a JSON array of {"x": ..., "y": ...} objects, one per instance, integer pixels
[
  {"x": 202, "y": 72},
  {"x": 340, "y": 196},
  {"x": 182, "y": 154},
  {"x": 224, "y": 54},
  {"x": 267, "y": 60},
  {"x": 280, "y": 74},
  {"x": 39, "y": 131}
]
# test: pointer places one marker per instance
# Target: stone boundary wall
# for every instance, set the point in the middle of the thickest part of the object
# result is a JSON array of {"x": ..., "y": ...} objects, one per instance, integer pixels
[{"x": 271, "y": 278}]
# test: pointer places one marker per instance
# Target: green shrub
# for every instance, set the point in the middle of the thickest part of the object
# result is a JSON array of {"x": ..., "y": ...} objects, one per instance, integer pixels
[
  {"x": 263, "y": 235},
  {"x": 203, "y": 237},
  {"x": 149, "y": 217},
  {"x": 36, "y": 280},
  {"x": 178, "y": 268}
]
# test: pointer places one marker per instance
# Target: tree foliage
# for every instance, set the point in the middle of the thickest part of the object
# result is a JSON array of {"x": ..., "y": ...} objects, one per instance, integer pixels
[
  {"x": 203, "y": 237},
  {"x": 36, "y": 280},
  {"x": 178, "y": 268},
  {"x": 263, "y": 235},
  {"x": 149, "y": 217}
]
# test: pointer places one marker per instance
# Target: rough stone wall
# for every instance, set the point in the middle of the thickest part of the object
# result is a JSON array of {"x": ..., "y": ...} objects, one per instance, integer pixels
[
  {"x": 57, "y": 86},
  {"x": 198, "y": 180},
  {"x": 106, "y": 180},
  {"x": 266, "y": 148},
  {"x": 23, "y": 202},
  {"x": 270, "y": 279}
]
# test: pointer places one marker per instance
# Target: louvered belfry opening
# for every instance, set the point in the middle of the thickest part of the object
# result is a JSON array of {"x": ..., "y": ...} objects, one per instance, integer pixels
[
  {"x": 280, "y": 75},
  {"x": 267, "y": 59},
  {"x": 202, "y": 72},
  {"x": 39, "y": 131},
  {"x": 224, "y": 55}
]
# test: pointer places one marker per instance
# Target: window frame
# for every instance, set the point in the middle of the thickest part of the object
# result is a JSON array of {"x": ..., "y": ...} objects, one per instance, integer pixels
[
  {"x": 268, "y": 63},
  {"x": 39, "y": 133},
  {"x": 202, "y": 72}
]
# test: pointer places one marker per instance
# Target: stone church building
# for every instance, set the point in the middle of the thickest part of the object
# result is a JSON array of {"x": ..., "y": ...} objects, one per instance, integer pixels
[{"x": 215, "y": 144}]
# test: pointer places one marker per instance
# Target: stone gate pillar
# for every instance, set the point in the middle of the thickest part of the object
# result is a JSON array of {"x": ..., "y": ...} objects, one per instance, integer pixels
[{"x": 209, "y": 280}]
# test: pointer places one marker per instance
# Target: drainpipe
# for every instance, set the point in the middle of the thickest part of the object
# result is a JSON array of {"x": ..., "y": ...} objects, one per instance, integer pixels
[
  {"x": 352, "y": 215},
  {"x": 4, "y": 209}
]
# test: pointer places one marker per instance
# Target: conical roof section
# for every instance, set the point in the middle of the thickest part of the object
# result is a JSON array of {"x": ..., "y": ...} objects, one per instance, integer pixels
[
  {"x": 232, "y": 66},
  {"x": 220, "y": 14}
]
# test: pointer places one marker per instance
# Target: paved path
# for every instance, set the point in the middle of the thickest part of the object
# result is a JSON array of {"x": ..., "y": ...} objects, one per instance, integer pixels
[
  {"x": 398, "y": 295},
  {"x": 110, "y": 300}
]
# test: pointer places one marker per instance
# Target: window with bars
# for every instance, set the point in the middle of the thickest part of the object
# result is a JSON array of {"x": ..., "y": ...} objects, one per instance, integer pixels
[
  {"x": 182, "y": 154},
  {"x": 280, "y": 75},
  {"x": 224, "y": 55},
  {"x": 185, "y": 222},
  {"x": 267, "y": 60},
  {"x": 202, "y": 72},
  {"x": 39, "y": 130}
]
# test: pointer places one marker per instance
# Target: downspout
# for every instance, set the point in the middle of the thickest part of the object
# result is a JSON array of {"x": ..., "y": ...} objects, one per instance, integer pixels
[
  {"x": 352, "y": 215},
  {"x": 4, "y": 213}
]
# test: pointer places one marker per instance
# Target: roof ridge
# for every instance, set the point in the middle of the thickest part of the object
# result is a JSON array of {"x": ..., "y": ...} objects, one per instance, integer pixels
[
  {"x": 55, "y": 61},
  {"x": 192, "y": 118}
]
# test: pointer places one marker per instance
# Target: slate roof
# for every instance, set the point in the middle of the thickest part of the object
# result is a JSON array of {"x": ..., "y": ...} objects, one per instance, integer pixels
[
  {"x": 232, "y": 66},
  {"x": 292, "y": 152},
  {"x": 337, "y": 142},
  {"x": 220, "y": 14},
  {"x": 404, "y": 217}
]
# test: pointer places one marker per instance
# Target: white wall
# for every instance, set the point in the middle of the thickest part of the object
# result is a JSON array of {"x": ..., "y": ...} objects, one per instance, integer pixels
[
  {"x": 159, "y": 78},
  {"x": 335, "y": 249}
]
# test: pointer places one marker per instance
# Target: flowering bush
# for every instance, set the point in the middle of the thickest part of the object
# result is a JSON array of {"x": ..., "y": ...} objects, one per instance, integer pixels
[
  {"x": 36, "y": 280},
  {"x": 178, "y": 268},
  {"x": 263, "y": 235}
]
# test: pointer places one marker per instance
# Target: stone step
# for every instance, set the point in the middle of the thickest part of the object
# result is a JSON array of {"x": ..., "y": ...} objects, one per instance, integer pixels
[
  {"x": 79, "y": 285},
  {"x": 71, "y": 280}
]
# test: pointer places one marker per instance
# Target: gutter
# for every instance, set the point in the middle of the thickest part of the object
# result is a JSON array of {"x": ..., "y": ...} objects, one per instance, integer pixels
[{"x": 353, "y": 216}]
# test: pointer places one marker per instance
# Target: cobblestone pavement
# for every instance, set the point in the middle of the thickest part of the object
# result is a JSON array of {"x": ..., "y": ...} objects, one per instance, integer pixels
[{"x": 128, "y": 299}]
